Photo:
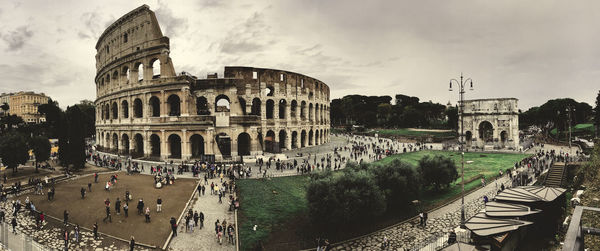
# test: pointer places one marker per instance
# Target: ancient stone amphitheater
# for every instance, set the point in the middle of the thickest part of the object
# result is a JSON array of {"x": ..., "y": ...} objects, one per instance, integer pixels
[{"x": 146, "y": 110}]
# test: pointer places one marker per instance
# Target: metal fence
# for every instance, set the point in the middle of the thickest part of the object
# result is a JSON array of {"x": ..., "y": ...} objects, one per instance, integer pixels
[
  {"x": 17, "y": 242},
  {"x": 440, "y": 241}
]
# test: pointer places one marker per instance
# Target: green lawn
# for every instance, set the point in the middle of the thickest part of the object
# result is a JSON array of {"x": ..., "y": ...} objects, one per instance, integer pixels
[
  {"x": 578, "y": 129},
  {"x": 410, "y": 133},
  {"x": 268, "y": 204}
]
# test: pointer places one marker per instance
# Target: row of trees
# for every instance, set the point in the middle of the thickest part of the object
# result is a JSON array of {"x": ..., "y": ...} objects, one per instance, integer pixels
[
  {"x": 555, "y": 114},
  {"x": 378, "y": 111},
  {"x": 371, "y": 190},
  {"x": 70, "y": 127}
]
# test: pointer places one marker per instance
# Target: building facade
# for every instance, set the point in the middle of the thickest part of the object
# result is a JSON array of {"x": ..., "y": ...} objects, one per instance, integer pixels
[
  {"x": 25, "y": 105},
  {"x": 491, "y": 123},
  {"x": 145, "y": 109}
]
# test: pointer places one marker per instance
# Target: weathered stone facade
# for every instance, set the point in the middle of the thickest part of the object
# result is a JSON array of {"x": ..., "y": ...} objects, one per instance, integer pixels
[
  {"x": 491, "y": 123},
  {"x": 145, "y": 109}
]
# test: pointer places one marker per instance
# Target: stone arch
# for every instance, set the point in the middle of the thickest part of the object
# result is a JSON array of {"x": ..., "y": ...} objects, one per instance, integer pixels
[
  {"x": 197, "y": 142},
  {"x": 270, "y": 108},
  {"x": 270, "y": 141},
  {"x": 174, "y": 146},
  {"x": 138, "y": 108},
  {"x": 202, "y": 106},
  {"x": 115, "y": 76},
  {"x": 140, "y": 71},
  {"x": 269, "y": 91},
  {"x": 125, "y": 108},
  {"x": 243, "y": 144},
  {"x": 255, "y": 107},
  {"x": 282, "y": 139},
  {"x": 154, "y": 145},
  {"x": 503, "y": 138},
  {"x": 303, "y": 110},
  {"x": 107, "y": 78},
  {"x": 282, "y": 108},
  {"x": 224, "y": 144},
  {"x": 174, "y": 105},
  {"x": 115, "y": 142},
  {"x": 138, "y": 147},
  {"x": 294, "y": 139},
  {"x": 310, "y": 137},
  {"x": 114, "y": 110},
  {"x": 222, "y": 103},
  {"x": 107, "y": 143},
  {"x": 303, "y": 138},
  {"x": 125, "y": 143},
  {"x": 310, "y": 112},
  {"x": 126, "y": 73},
  {"x": 154, "y": 105},
  {"x": 242, "y": 102},
  {"x": 293, "y": 108},
  {"x": 155, "y": 67},
  {"x": 486, "y": 132},
  {"x": 316, "y": 137},
  {"x": 468, "y": 138}
]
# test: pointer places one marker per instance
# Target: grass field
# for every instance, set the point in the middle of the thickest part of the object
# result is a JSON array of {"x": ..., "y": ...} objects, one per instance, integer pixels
[
  {"x": 270, "y": 204},
  {"x": 413, "y": 133},
  {"x": 578, "y": 129}
]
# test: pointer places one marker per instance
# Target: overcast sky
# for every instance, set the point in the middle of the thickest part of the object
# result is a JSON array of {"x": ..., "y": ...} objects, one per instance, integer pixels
[{"x": 531, "y": 50}]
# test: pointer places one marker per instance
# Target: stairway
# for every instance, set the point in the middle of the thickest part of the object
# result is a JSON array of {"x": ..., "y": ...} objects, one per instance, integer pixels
[{"x": 555, "y": 176}]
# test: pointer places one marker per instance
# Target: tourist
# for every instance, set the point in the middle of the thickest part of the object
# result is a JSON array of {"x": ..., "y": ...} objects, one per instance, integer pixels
[
  {"x": 173, "y": 226},
  {"x": 196, "y": 216},
  {"x": 118, "y": 206},
  {"x": 66, "y": 238},
  {"x": 191, "y": 225},
  {"x": 108, "y": 216},
  {"x": 77, "y": 233},
  {"x": 66, "y": 216},
  {"x": 201, "y": 216},
  {"x": 95, "y": 178},
  {"x": 82, "y": 193},
  {"x": 158, "y": 204},
  {"x": 126, "y": 209},
  {"x": 14, "y": 224},
  {"x": 90, "y": 187},
  {"x": 147, "y": 214},
  {"x": 95, "y": 230},
  {"x": 131, "y": 243},
  {"x": 421, "y": 219},
  {"x": 452, "y": 237},
  {"x": 140, "y": 207}
]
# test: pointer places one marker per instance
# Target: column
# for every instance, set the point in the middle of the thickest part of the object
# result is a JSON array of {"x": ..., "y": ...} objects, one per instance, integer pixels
[
  {"x": 163, "y": 104},
  {"x": 163, "y": 145},
  {"x": 185, "y": 146},
  {"x": 184, "y": 101},
  {"x": 288, "y": 139}
]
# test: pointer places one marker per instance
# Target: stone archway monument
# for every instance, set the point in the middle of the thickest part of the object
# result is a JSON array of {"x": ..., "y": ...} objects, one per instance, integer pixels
[{"x": 491, "y": 123}]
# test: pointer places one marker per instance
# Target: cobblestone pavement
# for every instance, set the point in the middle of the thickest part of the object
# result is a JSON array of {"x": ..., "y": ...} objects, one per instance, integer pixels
[{"x": 205, "y": 238}]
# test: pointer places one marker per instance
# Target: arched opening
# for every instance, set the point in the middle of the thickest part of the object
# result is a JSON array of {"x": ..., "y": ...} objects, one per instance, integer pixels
[
  {"x": 503, "y": 138},
  {"x": 270, "y": 108},
  {"x": 303, "y": 110},
  {"x": 310, "y": 137},
  {"x": 126, "y": 73},
  {"x": 486, "y": 132},
  {"x": 138, "y": 110},
  {"x": 107, "y": 78},
  {"x": 155, "y": 106},
  {"x": 125, "y": 144},
  {"x": 293, "y": 108},
  {"x": 115, "y": 110},
  {"x": 270, "y": 142},
  {"x": 155, "y": 64},
  {"x": 174, "y": 146},
  {"x": 115, "y": 76},
  {"x": 468, "y": 138},
  {"x": 222, "y": 104},
  {"x": 282, "y": 107},
  {"x": 294, "y": 140},
  {"x": 303, "y": 138},
  {"x": 154, "y": 145},
  {"x": 282, "y": 138},
  {"x": 243, "y": 142},
  {"x": 197, "y": 142},
  {"x": 255, "y": 107},
  {"x": 125, "y": 108},
  {"x": 107, "y": 141},
  {"x": 224, "y": 144},
  {"x": 316, "y": 137},
  {"x": 242, "y": 105},
  {"x": 140, "y": 71},
  {"x": 174, "y": 105},
  {"x": 115, "y": 142},
  {"x": 139, "y": 145},
  {"x": 310, "y": 112},
  {"x": 269, "y": 91},
  {"x": 202, "y": 106}
]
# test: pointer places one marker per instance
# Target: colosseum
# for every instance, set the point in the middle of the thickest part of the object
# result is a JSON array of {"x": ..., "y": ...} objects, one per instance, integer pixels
[{"x": 146, "y": 110}]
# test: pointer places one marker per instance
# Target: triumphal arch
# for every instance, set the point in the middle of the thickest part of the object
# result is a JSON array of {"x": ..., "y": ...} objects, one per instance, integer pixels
[
  {"x": 491, "y": 123},
  {"x": 146, "y": 109}
]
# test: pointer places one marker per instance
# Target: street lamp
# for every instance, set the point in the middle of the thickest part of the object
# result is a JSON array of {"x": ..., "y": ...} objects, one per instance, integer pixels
[{"x": 461, "y": 91}]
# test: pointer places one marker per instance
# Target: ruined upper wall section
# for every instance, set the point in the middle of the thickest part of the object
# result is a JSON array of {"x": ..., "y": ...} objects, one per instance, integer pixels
[
  {"x": 135, "y": 32},
  {"x": 491, "y": 106}
]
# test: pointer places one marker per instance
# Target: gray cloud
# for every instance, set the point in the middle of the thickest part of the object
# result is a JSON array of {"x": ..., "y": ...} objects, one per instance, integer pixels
[
  {"x": 248, "y": 37},
  {"x": 171, "y": 25},
  {"x": 17, "y": 38}
]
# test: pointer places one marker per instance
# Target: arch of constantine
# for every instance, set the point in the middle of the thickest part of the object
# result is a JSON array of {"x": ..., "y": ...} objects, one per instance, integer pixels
[
  {"x": 491, "y": 123},
  {"x": 145, "y": 109}
]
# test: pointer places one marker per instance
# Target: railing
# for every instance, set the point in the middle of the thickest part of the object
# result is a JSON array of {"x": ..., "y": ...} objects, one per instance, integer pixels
[
  {"x": 440, "y": 241},
  {"x": 17, "y": 242}
]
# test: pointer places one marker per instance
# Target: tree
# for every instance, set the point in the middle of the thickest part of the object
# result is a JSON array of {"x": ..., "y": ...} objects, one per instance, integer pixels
[
  {"x": 452, "y": 114},
  {"x": 399, "y": 182},
  {"x": 9, "y": 122},
  {"x": 13, "y": 149},
  {"x": 597, "y": 115},
  {"x": 89, "y": 117},
  {"x": 438, "y": 171},
  {"x": 74, "y": 138},
  {"x": 41, "y": 148},
  {"x": 5, "y": 107}
]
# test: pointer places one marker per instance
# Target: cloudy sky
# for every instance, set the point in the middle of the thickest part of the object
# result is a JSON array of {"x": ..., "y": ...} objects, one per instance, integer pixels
[{"x": 531, "y": 50}]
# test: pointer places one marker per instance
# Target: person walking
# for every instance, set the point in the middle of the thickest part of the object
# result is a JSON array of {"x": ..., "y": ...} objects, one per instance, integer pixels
[
  {"x": 108, "y": 216},
  {"x": 77, "y": 233},
  {"x": 147, "y": 214},
  {"x": 140, "y": 207},
  {"x": 126, "y": 209},
  {"x": 201, "y": 216},
  {"x": 196, "y": 216},
  {"x": 95, "y": 177},
  {"x": 66, "y": 217},
  {"x": 173, "y": 226},
  {"x": 95, "y": 230},
  {"x": 90, "y": 187},
  {"x": 82, "y": 193},
  {"x": 158, "y": 205},
  {"x": 118, "y": 206},
  {"x": 131, "y": 243},
  {"x": 66, "y": 238},
  {"x": 14, "y": 224}
]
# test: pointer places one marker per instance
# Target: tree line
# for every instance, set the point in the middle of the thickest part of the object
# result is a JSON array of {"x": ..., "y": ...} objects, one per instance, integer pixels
[
  {"x": 70, "y": 127},
  {"x": 555, "y": 113},
  {"x": 359, "y": 193}
]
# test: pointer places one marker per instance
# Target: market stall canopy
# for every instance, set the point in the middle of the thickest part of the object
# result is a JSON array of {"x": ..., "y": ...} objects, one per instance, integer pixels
[
  {"x": 483, "y": 225},
  {"x": 499, "y": 209},
  {"x": 546, "y": 193},
  {"x": 518, "y": 194}
]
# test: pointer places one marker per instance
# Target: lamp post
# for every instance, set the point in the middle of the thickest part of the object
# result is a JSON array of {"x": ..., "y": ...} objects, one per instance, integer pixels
[
  {"x": 461, "y": 91},
  {"x": 569, "y": 110}
]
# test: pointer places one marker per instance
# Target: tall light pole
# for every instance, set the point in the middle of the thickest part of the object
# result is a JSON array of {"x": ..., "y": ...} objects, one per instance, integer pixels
[{"x": 461, "y": 91}]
